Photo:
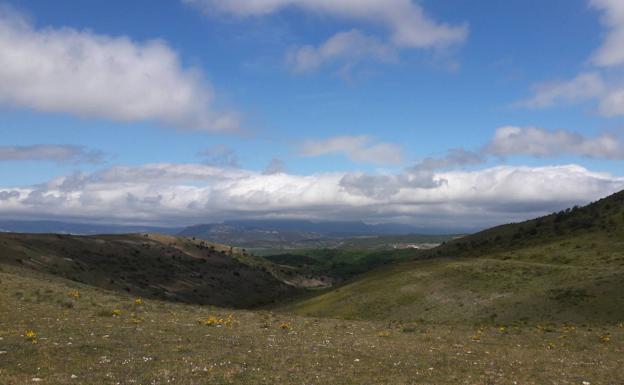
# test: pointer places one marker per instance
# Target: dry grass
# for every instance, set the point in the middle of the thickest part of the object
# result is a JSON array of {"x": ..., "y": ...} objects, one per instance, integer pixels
[{"x": 78, "y": 340}]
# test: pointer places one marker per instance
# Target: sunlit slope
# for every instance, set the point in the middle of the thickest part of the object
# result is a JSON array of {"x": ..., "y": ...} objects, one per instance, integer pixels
[
  {"x": 567, "y": 267},
  {"x": 594, "y": 232},
  {"x": 55, "y": 331},
  {"x": 151, "y": 265}
]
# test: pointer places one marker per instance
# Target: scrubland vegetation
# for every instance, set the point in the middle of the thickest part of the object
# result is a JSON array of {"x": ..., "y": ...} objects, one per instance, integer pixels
[{"x": 533, "y": 303}]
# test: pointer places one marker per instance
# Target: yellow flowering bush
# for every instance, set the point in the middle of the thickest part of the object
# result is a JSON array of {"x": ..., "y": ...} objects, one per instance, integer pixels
[
  {"x": 31, "y": 335},
  {"x": 75, "y": 294},
  {"x": 229, "y": 321}
]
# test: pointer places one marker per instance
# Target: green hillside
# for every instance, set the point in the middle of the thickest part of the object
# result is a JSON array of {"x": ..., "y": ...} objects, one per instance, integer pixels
[
  {"x": 57, "y": 331},
  {"x": 595, "y": 231},
  {"x": 153, "y": 266},
  {"x": 566, "y": 267}
]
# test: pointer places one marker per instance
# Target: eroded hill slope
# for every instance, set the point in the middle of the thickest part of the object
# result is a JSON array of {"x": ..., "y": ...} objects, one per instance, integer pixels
[{"x": 153, "y": 266}]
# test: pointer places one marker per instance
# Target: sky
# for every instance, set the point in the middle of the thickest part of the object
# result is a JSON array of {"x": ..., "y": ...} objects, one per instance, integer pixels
[{"x": 456, "y": 114}]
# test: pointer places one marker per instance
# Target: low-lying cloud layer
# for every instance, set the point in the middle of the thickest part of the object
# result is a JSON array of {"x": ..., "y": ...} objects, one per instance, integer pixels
[
  {"x": 86, "y": 74},
  {"x": 191, "y": 193}
]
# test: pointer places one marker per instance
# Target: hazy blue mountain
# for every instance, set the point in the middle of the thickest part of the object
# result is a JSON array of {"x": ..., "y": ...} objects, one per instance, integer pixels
[
  {"x": 299, "y": 233},
  {"x": 58, "y": 227}
]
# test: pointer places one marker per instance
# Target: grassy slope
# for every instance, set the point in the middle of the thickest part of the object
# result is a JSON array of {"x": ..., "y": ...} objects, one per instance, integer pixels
[
  {"x": 154, "y": 266},
  {"x": 567, "y": 267},
  {"x": 78, "y": 341}
]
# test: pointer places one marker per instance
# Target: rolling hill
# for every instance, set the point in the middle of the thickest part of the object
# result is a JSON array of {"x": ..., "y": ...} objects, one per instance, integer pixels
[
  {"x": 565, "y": 267},
  {"x": 154, "y": 266},
  {"x": 508, "y": 305}
]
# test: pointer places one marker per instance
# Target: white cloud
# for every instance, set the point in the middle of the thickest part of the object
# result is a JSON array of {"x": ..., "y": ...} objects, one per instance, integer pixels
[
  {"x": 406, "y": 21},
  {"x": 532, "y": 141},
  {"x": 82, "y": 73},
  {"x": 50, "y": 152},
  {"x": 613, "y": 103},
  {"x": 604, "y": 87},
  {"x": 357, "y": 148},
  {"x": 351, "y": 46},
  {"x": 585, "y": 86},
  {"x": 190, "y": 193},
  {"x": 611, "y": 53}
]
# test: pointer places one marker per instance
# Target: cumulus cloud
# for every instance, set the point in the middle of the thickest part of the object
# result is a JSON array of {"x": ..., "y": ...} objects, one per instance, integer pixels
[
  {"x": 359, "y": 148},
  {"x": 611, "y": 52},
  {"x": 349, "y": 47},
  {"x": 6, "y": 195},
  {"x": 82, "y": 73},
  {"x": 613, "y": 103},
  {"x": 532, "y": 141},
  {"x": 583, "y": 87},
  {"x": 600, "y": 85},
  {"x": 190, "y": 193},
  {"x": 422, "y": 175},
  {"x": 405, "y": 20},
  {"x": 51, "y": 152}
]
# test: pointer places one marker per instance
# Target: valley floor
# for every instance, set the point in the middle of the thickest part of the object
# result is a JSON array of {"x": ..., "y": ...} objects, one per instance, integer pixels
[{"x": 54, "y": 331}]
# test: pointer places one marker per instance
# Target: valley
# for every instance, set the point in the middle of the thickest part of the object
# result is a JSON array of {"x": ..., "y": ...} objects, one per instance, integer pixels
[{"x": 528, "y": 303}]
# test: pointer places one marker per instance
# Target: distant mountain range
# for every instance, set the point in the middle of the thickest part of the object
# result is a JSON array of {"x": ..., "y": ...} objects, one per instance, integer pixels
[
  {"x": 269, "y": 233},
  {"x": 57, "y": 227},
  {"x": 243, "y": 233}
]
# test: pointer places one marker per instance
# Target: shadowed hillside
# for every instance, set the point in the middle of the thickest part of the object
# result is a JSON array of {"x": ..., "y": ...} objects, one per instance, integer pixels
[
  {"x": 153, "y": 266},
  {"x": 565, "y": 267}
]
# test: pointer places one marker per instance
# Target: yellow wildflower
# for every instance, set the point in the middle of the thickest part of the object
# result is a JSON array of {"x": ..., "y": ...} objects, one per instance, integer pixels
[
  {"x": 138, "y": 302},
  {"x": 74, "y": 294},
  {"x": 31, "y": 336},
  {"x": 285, "y": 326},
  {"x": 605, "y": 338},
  {"x": 383, "y": 333},
  {"x": 116, "y": 313}
]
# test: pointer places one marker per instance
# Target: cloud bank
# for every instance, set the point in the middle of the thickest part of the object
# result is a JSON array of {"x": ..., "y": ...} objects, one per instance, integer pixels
[
  {"x": 192, "y": 193},
  {"x": 82, "y": 73}
]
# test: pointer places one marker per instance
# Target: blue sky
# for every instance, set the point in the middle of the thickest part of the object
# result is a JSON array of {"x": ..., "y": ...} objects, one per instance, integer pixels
[{"x": 351, "y": 94}]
